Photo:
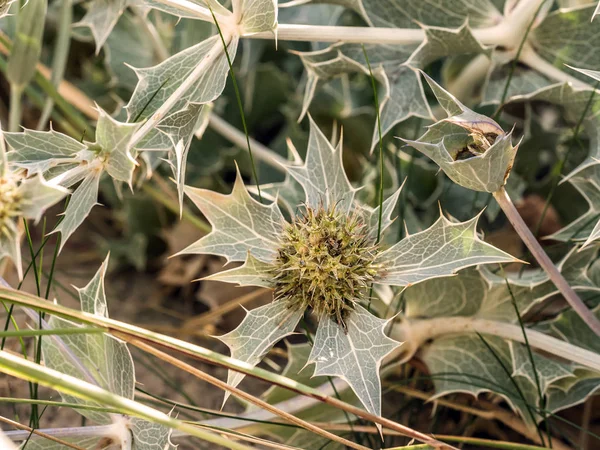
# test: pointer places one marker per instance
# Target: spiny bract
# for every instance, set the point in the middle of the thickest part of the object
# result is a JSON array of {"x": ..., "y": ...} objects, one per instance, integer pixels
[{"x": 325, "y": 262}]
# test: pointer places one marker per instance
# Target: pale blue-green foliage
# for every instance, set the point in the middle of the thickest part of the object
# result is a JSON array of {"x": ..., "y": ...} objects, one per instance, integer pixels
[
  {"x": 104, "y": 361},
  {"x": 461, "y": 362},
  {"x": 247, "y": 230}
]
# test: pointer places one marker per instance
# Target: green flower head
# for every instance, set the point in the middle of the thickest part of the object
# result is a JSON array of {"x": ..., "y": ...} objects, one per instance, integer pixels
[{"x": 325, "y": 260}]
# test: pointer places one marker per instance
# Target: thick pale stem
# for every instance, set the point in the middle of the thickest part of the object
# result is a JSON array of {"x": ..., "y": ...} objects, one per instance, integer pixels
[
  {"x": 238, "y": 138},
  {"x": 417, "y": 332},
  {"x": 470, "y": 77},
  {"x": 545, "y": 262},
  {"x": 183, "y": 88},
  {"x": 14, "y": 118},
  {"x": 530, "y": 58}
]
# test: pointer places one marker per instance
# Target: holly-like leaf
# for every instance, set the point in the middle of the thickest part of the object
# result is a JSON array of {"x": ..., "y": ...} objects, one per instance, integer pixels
[
  {"x": 564, "y": 37},
  {"x": 240, "y": 224},
  {"x": 83, "y": 199},
  {"x": 260, "y": 330},
  {"x": 38, "y": 151},
  {"x": 257, "y": 15},
  {"x": 441, "y": 250},
  {"x": 99, "y": 359},
  {"x": 404, "y": 13},
  {"x": 37, "y": 195},
  {"x": 587, "y": 226},
  {"x": 101, "y": 17},
  {"x": 252, "y": 273},
  {"x": 93, "y": 295},
  {"x": 150, "y": 436},
  {"x": 180, "y": 10},
  {"x": 322, "y": 176},
  {"x": 354, "y": 354},
  {"x": 113, "y": 137},
  {"x": 156, "y": 84}
]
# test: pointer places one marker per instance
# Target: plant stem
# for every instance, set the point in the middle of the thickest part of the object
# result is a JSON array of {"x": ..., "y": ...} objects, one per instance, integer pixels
[
  {"x": 416, "y": 332},
  {"x": 544, "y": 261},
  {"x": 14, "y": 119},
  {"x": 61, "y": 53},
  {"x": 183, "y": 88},
  {"x": 237, "y": 138},
  {"x": 530, "y": 58}
]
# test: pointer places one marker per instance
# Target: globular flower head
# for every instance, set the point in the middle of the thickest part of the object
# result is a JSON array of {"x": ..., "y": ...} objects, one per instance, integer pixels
[
  {"x": 325, "y": 259},
  {"x": 472, "y": 149},
  {"x": 326, "y": 262}
]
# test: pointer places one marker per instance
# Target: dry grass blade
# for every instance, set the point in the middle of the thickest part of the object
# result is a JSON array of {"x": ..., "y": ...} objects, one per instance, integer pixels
[
  {"x": 237, "y": 392},
  {"x": 248, "y": 438}
]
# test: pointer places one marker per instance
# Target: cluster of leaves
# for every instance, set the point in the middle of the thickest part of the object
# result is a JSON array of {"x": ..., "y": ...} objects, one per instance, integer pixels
[{"x": 488, "y": 53}]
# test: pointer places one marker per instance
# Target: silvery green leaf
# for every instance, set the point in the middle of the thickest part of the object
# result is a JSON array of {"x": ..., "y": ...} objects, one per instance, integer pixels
[
  {"x": 322, "y": 176},
  {"x": 572, "y": 391},
  {"x": 564, "y": 38},
  {"x": 548, "y": 371},
  {"x": 37, "y": 195},
  {"x": 462, "y": 363},
  {"x": 101, "y": 17},
  {"x": 179, "y": 128},
  {"x": 114, "y": 137},
  {"x": 522, "y": 82},
  {"x": 354, "y": 354},
  {"x": 289, "y": 193},
  {"x": 388, "y": 209},
  {"x": 402, "y": 93},
  {"x": 128, "y": 43},
  {"x": 586, "y": 227},
  {"x": 158, "y": 83},
  {"x": 80, "y": 204},
  {"x": 252, "y": 273},
  {"x": 27, "y": 47},
  {"x": 257, "y": 16},
  {"x": 150, "y": 436},
  {"x": 260, "y": 330},
  {"x": 441, "y": 250},
  {"x": 440, "y": 42},
  {"x": 405, "y": 13},
  {"x": 240, "y": 224},
  {"x": 39, "y": 443},
  {"x": 577, "y": 104},
  {"x": 38, "y": 151},
  {"x": 99, "y": 359},
  {"x": 93, "y": 296}
]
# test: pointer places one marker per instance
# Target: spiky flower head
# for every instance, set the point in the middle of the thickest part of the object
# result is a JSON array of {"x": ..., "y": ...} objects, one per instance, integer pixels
[{"x": 325, "y": 260}]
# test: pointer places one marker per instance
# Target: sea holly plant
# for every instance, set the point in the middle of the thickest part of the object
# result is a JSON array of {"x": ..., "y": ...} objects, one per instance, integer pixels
[
  {"x": 324, "y": 260},
  {"x": 476, "y": 153}
]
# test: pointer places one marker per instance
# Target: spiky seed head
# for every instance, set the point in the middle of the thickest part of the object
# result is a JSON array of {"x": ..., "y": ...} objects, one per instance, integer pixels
[
  {"x": 325, "y": 262},
  {"x": 10, "y": 202}
]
